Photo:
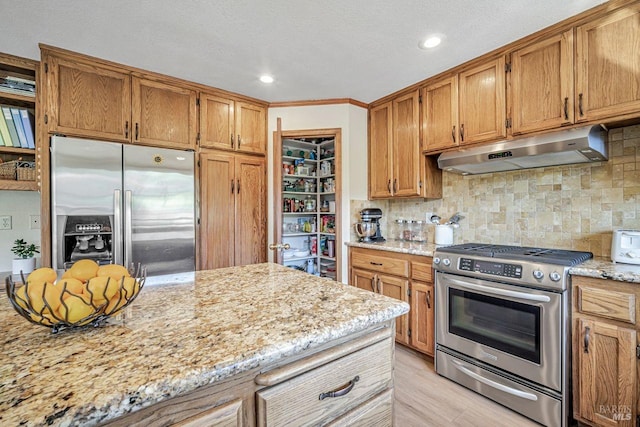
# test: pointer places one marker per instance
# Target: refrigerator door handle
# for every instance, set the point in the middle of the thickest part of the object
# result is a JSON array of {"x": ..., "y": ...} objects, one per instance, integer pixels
[
  {"x": 127, "y": 228},
  {"x": 117, "y": 226}
]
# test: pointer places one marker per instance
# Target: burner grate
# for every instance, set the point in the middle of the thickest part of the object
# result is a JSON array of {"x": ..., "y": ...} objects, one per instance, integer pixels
[{"x": 542, "y": 255}]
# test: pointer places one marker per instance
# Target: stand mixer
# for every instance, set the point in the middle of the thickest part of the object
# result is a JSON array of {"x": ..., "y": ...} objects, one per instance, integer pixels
[{"x": 368, "y": 230}]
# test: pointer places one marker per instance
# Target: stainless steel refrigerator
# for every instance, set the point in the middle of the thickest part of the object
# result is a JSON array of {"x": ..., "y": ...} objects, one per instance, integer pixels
[{"x": 123, "y": 204}]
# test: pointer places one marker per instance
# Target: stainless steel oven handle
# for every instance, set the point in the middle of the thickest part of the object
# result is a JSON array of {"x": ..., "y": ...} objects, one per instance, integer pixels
[
  {"x": 496, "y": 385},
  {"x": 501, "y": 292}
]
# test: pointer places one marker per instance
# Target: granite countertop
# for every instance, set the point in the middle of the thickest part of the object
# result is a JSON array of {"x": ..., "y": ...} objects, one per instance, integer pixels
[
  {"x": 602, "y": 268},
  {"x": 172, "y": 340},
  {"x": 401, "y": 246}
]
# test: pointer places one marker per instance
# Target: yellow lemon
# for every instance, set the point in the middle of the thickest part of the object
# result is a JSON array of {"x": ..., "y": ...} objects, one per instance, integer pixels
[
  {"x": 75, "y": 308},
  {"x": 38, "y": 292},
  {"x": 44, "y": 274},
  {"x": 115, "y": 303},
  {"x": 102, "y": 288},
  {"x": 130, "y": 286},
  {"x": 67, "y": 275},
  {"x": 84, "y": 269},
  {"x": 73, "y": 286},
  {"x": 21, "y": 297},
  {"x": 113, "y": 270}
]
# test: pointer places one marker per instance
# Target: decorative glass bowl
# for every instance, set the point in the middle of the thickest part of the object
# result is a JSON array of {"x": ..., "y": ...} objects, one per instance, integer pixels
[{"x": 59, "y": 307}]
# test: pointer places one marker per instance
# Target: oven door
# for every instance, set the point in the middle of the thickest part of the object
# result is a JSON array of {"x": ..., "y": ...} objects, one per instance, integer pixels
[{"x": 513, "y": 328}]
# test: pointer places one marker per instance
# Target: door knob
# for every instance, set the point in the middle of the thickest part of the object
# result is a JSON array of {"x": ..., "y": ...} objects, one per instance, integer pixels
[{"x": 279, "y": 246}]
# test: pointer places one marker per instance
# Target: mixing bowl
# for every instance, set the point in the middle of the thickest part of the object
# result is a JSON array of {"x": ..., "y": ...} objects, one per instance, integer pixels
[{"x": 365, "y": 229}]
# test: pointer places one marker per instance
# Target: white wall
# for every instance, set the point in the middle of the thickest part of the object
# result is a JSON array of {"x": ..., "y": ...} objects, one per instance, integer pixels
[
  {"x": 353, "y": 122},
  {"x": 19, "y": 205}
]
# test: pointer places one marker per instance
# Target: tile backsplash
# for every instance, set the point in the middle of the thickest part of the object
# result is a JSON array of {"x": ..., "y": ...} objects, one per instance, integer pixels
[{"x": 568, "y": 207}]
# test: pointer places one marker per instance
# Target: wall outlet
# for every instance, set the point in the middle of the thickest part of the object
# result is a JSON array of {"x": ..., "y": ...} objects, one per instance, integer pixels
[
  {"x": 34, "y": 222},
  {"x": 5, "y": 222}
]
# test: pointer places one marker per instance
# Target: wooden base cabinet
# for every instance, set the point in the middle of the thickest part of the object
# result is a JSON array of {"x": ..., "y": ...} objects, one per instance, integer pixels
[
  {"x": 233, "y": 210},
  {"x": 405, "y": 277},
  {"x": 605, "y": 352}
]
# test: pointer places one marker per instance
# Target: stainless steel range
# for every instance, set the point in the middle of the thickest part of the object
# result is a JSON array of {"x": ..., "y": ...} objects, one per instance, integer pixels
[{"x": 503, "y": 325}]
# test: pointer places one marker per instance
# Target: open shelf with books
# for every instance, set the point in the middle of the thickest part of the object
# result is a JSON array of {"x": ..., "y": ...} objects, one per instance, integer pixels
[{"x": 18, "y": 154}]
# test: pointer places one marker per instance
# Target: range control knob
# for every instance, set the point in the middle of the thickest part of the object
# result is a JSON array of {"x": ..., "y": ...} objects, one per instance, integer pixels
[
  {"x": 446, "y": 262},
  {"x": 436, "y": 260},
  {"x": 538, "y": 274},
  {"x": 554, "y": 276}
]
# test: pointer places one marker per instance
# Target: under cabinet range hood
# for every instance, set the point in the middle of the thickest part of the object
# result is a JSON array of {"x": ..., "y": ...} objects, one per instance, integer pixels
[{"x": 579, "y": 145}]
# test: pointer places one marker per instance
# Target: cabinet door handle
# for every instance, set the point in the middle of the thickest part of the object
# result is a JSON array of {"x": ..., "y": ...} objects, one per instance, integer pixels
[
  {"x": 137, "y": 126},
  {"x": 238, "y": 186},
  {"x": 233, "y": 144},
  {"x": 462, "y": 132},
  {"x": 389, "y": 186},
  {"x": 580, "y": 110},
  {"x": 566, "y": 108},
  {"x": 453, "y": 133},
  {"x": 379, "y": 286},
  {"x": 395, "y": 185},
  {"x": 587, "y": 330},
  {"x": 429, "y": 300},
  {"x": 375, "y": 263},
  {"x": 341, "y": 391},
  {"x": 239, "y": 141},
  {"x": 126, "y": 129},
  {"x": 233, "y": 186},
  {"x": 374, "y": 281}
]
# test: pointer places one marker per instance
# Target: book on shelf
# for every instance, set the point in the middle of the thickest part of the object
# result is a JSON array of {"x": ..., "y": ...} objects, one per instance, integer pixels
[
  {"x": 4, "y": 130},
  {"x": 8, "y": 118},
  {"x": 17, "y": 122},
  {"x": 29, "y": 125},
  {"x": 18, "y": 86},
  {"x": 1, "y": 139}
]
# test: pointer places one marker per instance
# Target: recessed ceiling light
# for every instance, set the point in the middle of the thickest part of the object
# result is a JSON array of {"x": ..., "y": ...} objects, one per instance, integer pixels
[
  {"x": 266, "y": 79},
  {"x": 430, "y": 42}
]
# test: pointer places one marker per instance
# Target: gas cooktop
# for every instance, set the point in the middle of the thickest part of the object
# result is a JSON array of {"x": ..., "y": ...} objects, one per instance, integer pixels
[{"x": 523, "y": 253}]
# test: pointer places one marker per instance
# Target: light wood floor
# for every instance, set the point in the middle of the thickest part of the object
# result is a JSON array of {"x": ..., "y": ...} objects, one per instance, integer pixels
[{"x": 424, "y": 398}]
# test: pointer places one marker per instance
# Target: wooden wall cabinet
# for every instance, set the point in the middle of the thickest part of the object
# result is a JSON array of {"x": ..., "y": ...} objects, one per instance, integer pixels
[
  {"x": 229, "y": 124},
  {"x": 482, "y": 102},
  {"x": 163, "y": 115},
  {"x": 232, "y": 210},
  {"x": 87, "y": 98},
  {"x": 605, "y": 363},
  {"x": 542, "y": 84},
  {"x": 440, "y": 114},
  {"x": 607, "y": 68},
  {"x": 405, "y": 277},
  {"x": 397, "y": 167}
]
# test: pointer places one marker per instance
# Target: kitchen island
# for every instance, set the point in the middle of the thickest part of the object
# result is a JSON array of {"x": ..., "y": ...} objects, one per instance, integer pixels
[{"x": 232, "y": 335}]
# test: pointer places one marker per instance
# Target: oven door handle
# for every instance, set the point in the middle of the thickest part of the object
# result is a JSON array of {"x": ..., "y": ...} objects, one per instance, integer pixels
[
  {"x": 494, "y": 384},
  {"x": 501, "y": 292}
]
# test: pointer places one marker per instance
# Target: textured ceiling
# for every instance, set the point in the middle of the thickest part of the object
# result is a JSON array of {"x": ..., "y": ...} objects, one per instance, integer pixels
[{"x": 315, "y": 49}]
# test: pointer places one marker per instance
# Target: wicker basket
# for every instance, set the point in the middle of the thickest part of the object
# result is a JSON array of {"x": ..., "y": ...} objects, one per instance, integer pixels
[
  {"x": 8, "y": 169},
  {"x": 18, "y": 170},
  {"x": 26, "y": 171}
]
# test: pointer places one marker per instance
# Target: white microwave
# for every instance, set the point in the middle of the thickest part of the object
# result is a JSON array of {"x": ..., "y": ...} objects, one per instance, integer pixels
[{"x": 625, "y": 246}]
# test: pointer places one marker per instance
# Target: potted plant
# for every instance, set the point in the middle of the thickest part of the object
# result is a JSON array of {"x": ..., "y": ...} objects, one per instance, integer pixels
[{"x": 25, "y": 262}]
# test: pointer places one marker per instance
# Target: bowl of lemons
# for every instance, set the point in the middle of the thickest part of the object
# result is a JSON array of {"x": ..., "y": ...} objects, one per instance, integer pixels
[{"x": 86, "y": 294}]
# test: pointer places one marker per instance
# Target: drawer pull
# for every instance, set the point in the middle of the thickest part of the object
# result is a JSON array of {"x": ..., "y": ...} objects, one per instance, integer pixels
[
  {"x": 341, "y": 392},
  {"x": 375, "y": 263}
]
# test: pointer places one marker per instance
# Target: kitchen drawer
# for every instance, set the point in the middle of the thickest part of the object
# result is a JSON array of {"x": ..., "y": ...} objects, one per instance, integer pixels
[
  {"x": 379, "y": 262},
  {"x": 607, "y": 303},
  {"x": 297, "y": 401},
  {"x": 375, "y": 412},
  {"x": 422, "y": 270}
]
